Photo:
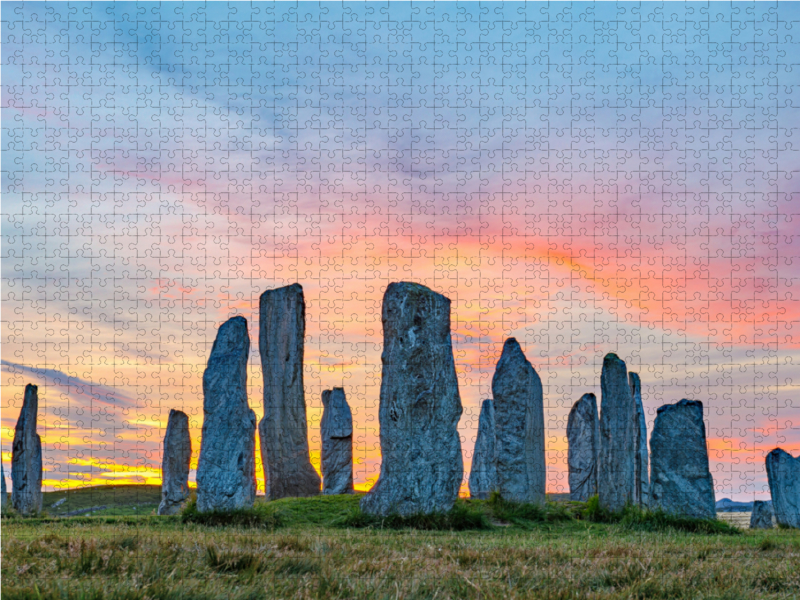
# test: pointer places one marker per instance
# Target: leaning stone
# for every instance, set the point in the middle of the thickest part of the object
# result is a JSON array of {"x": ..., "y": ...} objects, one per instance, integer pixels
[
  {"x": 681, "y": 483},
  {"x": 420, "y": 406},
  {"x": 483, "y": 475},
  {"x": 615, "y": 475},
  {"x": 583, "y": 439},
  {"x": 26, "y": 457},
  {"x": 519, "y": 413},
  {"x": 783, "y": 473},
  {"x": 641, "y": 478},
  {"x": 226, "y": 472},
  {"x": 283, "y": 430},
  {"x": 175, "y": 464},
  {"x": 761, "y": 517},
  {"x": 337, "y": 443}
]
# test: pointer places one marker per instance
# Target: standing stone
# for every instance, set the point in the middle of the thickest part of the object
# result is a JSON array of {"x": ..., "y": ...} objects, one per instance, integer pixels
[
  {"x": 583, "y": 439},
  {"x": 761, "y": 517},
  {"x": 618, "y": 423},
  {"x": 420, "y": 406},
  {"x": 284, "y": 430},
  {"x": 4, "y": 497},
  {"x": 783, "y": 473},
  {"x": 641, "y": 478},
  {"x": 175, "y": 464},
  {"x": 226, "y": 470},
  {"x": 519, "y": 412},
  {"x": 483, "y": 475},
  {"x": 337, "y": 443},
  {"x": 681, "y": 483},
  {"x": 26, "y": 457}
]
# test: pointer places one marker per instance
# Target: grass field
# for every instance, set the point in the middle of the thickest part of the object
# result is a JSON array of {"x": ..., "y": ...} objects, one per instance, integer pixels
[{"x": 324, "y": 548}]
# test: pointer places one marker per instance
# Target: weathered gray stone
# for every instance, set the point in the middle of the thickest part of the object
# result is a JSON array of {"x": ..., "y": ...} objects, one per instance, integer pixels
[
  {"x": 26, "y": 457},
  {"x": 519, "y": 415},
  {"x": 284, "y": 430},
  {"x": 783, "y": 473},
  {"x": 641, "y": 466},
  {"x": 337, "y": 443},
  {"x": 4, "y": 496},
  {"x": 420, "y": 406},
  {"x": 583, "y": 439},
  {"x": 483, "y": 475},
  {"x": 615, "y": 474},
  {"x": 226, "y": 471},
  {"x": 681, "y": 483},
  {"x": 761, "y": 517},
  {"x": 175, "y": 464}
]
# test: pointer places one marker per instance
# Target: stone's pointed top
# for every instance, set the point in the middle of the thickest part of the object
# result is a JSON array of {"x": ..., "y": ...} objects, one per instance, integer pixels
[
  {"x": 177, "y": 414},
  {"x": 230, "y": 336},
  {"x": 633, "y": 378},
  {"x": 777, "y": 452},
  {"x": 293, "y": 289},
  {"x": 612, "y": 358},
  {"x": 412, "y": 289},
  {"x": 487, "y": 404},
  {"x": 31, "y": 388},
  {"x": 682, "y": 404}
]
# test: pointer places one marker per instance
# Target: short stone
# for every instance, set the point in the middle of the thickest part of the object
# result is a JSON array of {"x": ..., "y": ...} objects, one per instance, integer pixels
[
  {"x": 483, "y": 474},
  {"x": 681, "y": 483},
  {"x": 336, "y": 430},
  {"x": 783, "y": 473},
  {"x": 175, "y": 461},
  {"x": 583, "y": 439},
  {"x": 761, "y": 517}
]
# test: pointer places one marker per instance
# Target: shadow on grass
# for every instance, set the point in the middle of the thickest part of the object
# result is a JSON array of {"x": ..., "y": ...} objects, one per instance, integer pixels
[
  {"x": 637, "y": 519},
  {"x": 462, "y": 517},
  {"x": 260, "y": 516},
  {"x": 524, "y": 515}
]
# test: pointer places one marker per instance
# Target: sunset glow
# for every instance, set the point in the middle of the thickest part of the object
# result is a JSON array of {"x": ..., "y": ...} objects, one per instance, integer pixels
[{"x": 586, "y": 188}]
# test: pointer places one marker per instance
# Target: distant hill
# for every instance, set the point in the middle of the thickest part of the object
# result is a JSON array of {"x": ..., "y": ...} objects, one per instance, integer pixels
[
  {"x": 728, "y": 505},
  {"x": 104, "y": 500}
]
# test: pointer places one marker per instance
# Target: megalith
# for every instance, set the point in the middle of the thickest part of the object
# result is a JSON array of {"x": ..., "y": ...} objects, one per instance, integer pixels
[
  {"x": 337, "y": 443},
  {"x": 783, "y": 473},
  {"x": 681, "y": 483},
  {"x": 761, "y": 517},
  {"x": 283, "y": 430},
  {"x": 177, "y": 456},
  {"x": 226, "y": 469},
  {"x": 583, "y": 440},
  {"x": 26, "y": 457},
  {"x": 421, "y": 468},
  {"x": 641, "y": 466},
  {"x": 618, "y": 423},
  {"x": 483, "y": 474},
  {"x": 519, "y": 416}
]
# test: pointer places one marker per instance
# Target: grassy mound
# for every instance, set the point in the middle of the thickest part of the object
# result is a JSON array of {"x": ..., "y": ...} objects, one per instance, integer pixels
[{"x": 462, "y": 517}]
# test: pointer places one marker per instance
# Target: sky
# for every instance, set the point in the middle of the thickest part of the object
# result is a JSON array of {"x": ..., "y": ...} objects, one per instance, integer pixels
[{"x": 587, "y": 178}]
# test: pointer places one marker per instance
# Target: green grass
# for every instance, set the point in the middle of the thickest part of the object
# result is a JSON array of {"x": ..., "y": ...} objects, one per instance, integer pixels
[
  {"x": 260, "y": 516},
  {"x": 119, "y": 500},
  {"x": 556, "y": 551},
  {"x": 462, "y": 517}
]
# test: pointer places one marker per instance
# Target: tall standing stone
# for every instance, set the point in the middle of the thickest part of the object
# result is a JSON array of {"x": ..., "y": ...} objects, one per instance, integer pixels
[
  {"x": 681, "y": 483},
  {"x": 337, "y": 443},
  {"x": 483, "y": 475},
  {"x": 519, "y": 412},
  {"x": 26, "y": 457},
  {"x": 420, "y": 406},
  {"x": 618, "y": 425},
  {"x": 284, "y": 430},
  {"x": 226, "y": 470},
  {"x": 175, "y": 463},
  {"x": 761, "y": 517},
  {"x": 583, "y": 439},
  {"x": 641, "y": 477},
  {"x": 783, "y": 473}
]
